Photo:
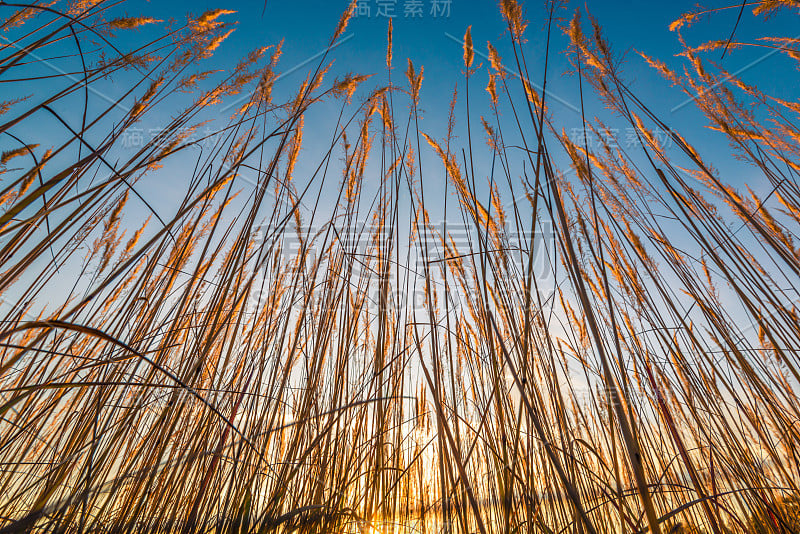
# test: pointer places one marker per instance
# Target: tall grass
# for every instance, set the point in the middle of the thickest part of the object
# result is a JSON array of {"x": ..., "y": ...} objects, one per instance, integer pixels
[{"x": 264, "y": 358}]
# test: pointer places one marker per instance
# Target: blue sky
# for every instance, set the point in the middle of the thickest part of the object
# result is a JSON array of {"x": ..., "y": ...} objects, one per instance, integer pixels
[
  {"x": 630, "y": 26},
  {"x": 427, "y": 39},
  {"x": 427, "y": 31},
  {"x": 431, "y": 40}
]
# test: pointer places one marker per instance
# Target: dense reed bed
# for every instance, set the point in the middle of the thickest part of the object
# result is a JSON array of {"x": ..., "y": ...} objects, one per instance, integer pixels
[{"x": 598, "y": 339}]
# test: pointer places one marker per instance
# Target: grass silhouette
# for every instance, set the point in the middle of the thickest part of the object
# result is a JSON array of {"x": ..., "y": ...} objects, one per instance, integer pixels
[{"x": 315, "y": 354}]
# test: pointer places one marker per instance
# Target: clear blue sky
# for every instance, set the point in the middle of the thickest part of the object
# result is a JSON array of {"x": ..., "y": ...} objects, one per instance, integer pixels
[{"x": 423, "y": 30}]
